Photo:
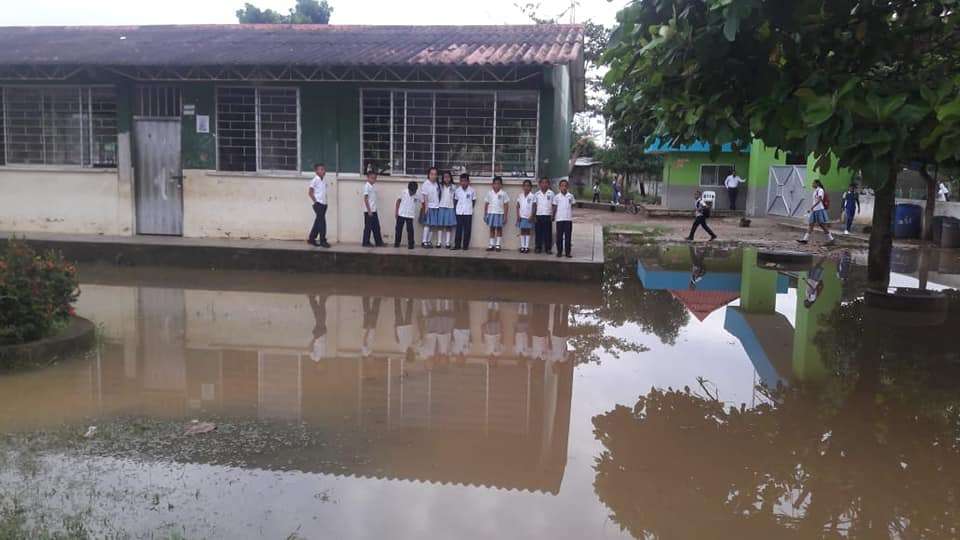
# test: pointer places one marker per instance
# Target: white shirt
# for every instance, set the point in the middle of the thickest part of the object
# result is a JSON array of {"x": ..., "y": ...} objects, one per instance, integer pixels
[
  {"x": 818, "y": 197},
  {"x": 446, "y": 196},
  {"x": 430, "y": 194},
  {"x": 733, "y": 181},
  {"x": 525, "y": 205},
  {"x": 319, "y": 349},
  {"x": 405, "y": 336},
  {"x": 497, "y": 201},
  {"x": 544, "y": 202},
  {"x": 461, "y": 340},
  {"x": 408, "y": 204},
  {"x": 942, "y": 192},
  {"x": 370, "y": 193},
  {"x": 319, "y": 187},
  {"x": 465, "y": 199},
  {"x": 564, "y": 203}
]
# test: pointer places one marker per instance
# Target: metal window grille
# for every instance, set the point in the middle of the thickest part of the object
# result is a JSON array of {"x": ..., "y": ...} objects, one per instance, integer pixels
[
  {"x": 158, "y": 102},
  {"x": 3, "y": 139},
  {"x": 63, "y": 125},
  {"x": 714, "y": 175},
  {"x": 482, "y": 132},
  {"x": 258, "y": 129}
]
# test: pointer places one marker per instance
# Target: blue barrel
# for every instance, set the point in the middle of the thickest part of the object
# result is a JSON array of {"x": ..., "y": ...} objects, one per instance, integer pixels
[{"x": 907, "y": 221}]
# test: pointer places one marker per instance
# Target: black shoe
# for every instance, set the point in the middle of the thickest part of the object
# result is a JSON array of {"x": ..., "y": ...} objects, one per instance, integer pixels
[
  {"x": 381, "y": 244},
  {"x": 411, "y": 246},
  {"x": 689, "y": 239},
  {"x": 802, "y": 241},
  {"x": 559, "y": 254},
  {"x": 549, "y": 252},
  {"x": 712, "y": 238},
  {"x": 568, "y": 256},
  {"x": 395, "y": 246},
  {"x": 498, "y": 249},
  {"x": 366, "y": 245},
  {"x": 538, "y": 250},
  {"x": 324, "y": 244},
  {"x": 490, "y": 248},
  {"x": 313, "y": 243},
  {"x": 455, "y": 248}
]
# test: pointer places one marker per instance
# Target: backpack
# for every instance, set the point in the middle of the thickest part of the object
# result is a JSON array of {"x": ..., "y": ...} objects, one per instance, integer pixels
[{"x": 825, "y": 200}]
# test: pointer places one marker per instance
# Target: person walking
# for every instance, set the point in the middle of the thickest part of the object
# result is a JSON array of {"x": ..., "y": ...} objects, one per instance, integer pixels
[
  {"x": 371, "y": 221},
  {"x": 318, "y": 198},
  {"x": 732, "y": 183},
  {"x": 851, "y": 206},
  {"x": 701, "y": 213},
  {"x": 818, "y": 214},
  {"x": 596, "y": 191}
]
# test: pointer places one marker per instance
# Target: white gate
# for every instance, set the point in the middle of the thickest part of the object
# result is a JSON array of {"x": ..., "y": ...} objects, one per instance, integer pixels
[{"x": 787, "y": 192}]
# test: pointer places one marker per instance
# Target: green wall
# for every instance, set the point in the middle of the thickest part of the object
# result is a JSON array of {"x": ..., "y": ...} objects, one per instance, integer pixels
[
  {"x": 556, "y": 123},
  {"x": 199, "y": 150},
  {"x": 683, "y": 168}
]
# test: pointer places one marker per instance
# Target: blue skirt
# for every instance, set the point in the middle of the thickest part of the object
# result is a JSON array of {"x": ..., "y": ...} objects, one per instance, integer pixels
[
  {"x": 525, "y": 224},
  {"x": 494, "y": 220},
  {"x": 433, "y": 218},
  {"x": 447, "y": 217},
  {"x": 819, "y": 216}
]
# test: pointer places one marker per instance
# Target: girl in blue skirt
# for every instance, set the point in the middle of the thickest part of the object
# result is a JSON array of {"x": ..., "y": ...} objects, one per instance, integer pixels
[
  {"x": 525, "y": 203},
  {"x": 430, "y": 211},
  {"x": 495, "y": 213},
  {"x": 447, "y": 216}
]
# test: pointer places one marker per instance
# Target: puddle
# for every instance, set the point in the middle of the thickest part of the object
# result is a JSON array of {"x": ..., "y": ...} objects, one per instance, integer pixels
[{"x": 695, "y": 393}]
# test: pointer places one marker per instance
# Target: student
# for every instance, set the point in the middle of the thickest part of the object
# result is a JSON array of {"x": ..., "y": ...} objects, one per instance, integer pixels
[
  {"x": 371, "y": 314},
  {"x": 404, "y": 331},
  {"x": 525, "y": 203},
  {"x": 943, "y": 193},
  {"x": 465, "y": 198},
  {"x": 818, "y": 214},
  {"x": 447, "y": 214},
  {"x": 851, "y": 206},
  {"x": 430, "y": 206},
  {"x": 698, "y": 270},
  {"x": 814, "y": 283},
  {"x": 521, "y": 333},
  {"x": 461, "y": 328},
  {"x": 563, "y": 214},
  {"x": 596, "y": 191},
  {"x": 701, "y": 213},
  {"x": 445, "y": 323},
  {"x": 491, "y": 331},
  {"x": 543, "y": 234},
  {"x": 407, "y": 203},
  {"x": 371, "y": 221},
  {"x": 495, "y": 212},
  {"x": 318, "y": 198},
  {"x": 732, "y": 183}
]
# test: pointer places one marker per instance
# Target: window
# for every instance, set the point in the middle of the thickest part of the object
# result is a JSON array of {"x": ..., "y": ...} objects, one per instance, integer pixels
[
  {"x": 485, "y": 133},
  {"x": 157, "y": 102},
  {"x": 258, "y": 129},
  {"x": 62, "y": 125},
  {"x": 714, "y": 175}
]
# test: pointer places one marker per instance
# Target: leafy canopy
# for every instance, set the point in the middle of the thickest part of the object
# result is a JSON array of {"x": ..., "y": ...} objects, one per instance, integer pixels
[
  {"x": 872, "y": 82},
  {"x": 304, "y": 12}
]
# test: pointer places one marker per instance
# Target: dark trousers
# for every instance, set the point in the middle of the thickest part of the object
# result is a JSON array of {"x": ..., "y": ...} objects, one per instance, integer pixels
[
  {"x": 700, "y": 221},
  {"x": 849, "y": 215},
  {"x": 543, "y": 233},
  {"x": 371, "y": 225},
  {"x": 319, "y": 230},
  {"x": 461, "y": 239},
  {"x": 564, "y": 232},
  {"x": 732, "y": 193},
  {"x": 596, "y": 197},
  {"x": 403, "y": 222}
]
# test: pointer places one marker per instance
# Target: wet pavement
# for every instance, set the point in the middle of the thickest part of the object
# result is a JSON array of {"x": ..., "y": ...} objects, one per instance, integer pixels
[{"x": 698, "y": 392}]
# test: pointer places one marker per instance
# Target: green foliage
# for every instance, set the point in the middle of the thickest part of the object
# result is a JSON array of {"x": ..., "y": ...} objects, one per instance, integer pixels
[
  {"x": 630, "y": 159},
  {"x": 304, "y": 12},
  {"x": 36, "y": 292}
]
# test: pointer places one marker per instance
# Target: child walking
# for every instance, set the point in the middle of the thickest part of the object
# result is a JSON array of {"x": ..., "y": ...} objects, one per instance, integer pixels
[
  {"x": 465, "y": 198},
  {"x": 851, "y": 207},
  {"x": 406, "y": 210},
  {"x": 543, "y": 235},
  {"x": 495, "y": 213},
  {"x": 430, "y": 205},
  {"x": 371, "y": 221},
  {"x": 525, "y": 204},
  {"x": 563, "y": 215},
  {"x": 701, "y": 213},
  {"x": 818, "y": 214},
  {"x": 447, "y": 214}
]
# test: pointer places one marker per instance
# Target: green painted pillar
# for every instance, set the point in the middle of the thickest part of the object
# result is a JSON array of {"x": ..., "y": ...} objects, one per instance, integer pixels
[
  {"x": 758, "y": 287},
  {"x": 807, "y": 363}
]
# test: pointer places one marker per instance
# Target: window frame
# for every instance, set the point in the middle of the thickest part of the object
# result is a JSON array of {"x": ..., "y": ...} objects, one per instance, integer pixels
[
  {"x": 719, "y": 183},
  {"x": 260, "y": 171},
  {"x": 86, "y": 146},
  {"x": 495, "y": 93}
]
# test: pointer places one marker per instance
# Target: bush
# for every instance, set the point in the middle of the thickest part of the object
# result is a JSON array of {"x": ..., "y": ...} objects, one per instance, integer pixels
[{"x": 36, "y": 293}]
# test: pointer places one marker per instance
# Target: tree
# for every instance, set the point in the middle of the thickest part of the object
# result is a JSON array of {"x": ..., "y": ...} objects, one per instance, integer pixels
[
  {"x": 304, "y": 12},
  {"x": 868, "y": 84}
]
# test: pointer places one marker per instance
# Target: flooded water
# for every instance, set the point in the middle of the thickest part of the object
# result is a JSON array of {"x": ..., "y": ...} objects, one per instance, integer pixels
[{"x": 696, "y": 393}]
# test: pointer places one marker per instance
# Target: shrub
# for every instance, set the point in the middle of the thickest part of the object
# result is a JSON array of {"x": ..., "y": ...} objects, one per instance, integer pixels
[{"x": 36, "y": 292}]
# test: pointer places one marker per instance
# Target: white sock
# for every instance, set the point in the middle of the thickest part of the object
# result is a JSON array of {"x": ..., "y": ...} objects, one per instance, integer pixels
[
  {"x": 829, "y": 236},
  {"x": 806, "y": 236},
  {"x": 526, "y": 241},
  {"x": 492, "y": 241},
  {"x": 499, "y": 239},
  {"x": 426, "y": 234},
  {"x": 449, "y": 237}
]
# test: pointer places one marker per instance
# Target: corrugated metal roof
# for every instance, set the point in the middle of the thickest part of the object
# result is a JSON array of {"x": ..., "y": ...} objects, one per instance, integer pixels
[{"x": 298, "y": 45}]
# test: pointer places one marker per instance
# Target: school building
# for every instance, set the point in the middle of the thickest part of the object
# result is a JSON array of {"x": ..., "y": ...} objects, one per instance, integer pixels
[{"x": 212, "y": 130}]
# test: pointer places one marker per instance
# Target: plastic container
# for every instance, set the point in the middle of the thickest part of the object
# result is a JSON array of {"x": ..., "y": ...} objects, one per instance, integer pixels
[
  {"x": 907, "y": 221},
  {"x": 950, "y": 233}
]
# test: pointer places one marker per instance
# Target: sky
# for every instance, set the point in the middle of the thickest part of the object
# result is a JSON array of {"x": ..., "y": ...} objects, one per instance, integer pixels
[{"x": 139, "y": 12}]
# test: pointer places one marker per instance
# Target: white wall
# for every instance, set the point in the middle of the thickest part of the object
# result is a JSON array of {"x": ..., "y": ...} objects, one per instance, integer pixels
[{"x": 950, "y": 208}]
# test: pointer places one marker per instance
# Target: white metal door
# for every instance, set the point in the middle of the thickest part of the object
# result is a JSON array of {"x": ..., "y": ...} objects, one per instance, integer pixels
[
  {"x": 159, "y": 176},
  {"x": 787, "y": 192}
]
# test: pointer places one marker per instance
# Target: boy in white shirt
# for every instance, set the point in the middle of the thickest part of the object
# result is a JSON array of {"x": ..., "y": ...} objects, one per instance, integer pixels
[
  {"x": 465, "y": 198},
  {"x": 407, "y": 204},
  {"x": 371, "y": 221},
  {"x": 543, "y": 234},
  {"x": 525, "y": 204},
  {"x": 563, "y": 214},
  {"x": 318, "y": 199},
  {"x": 732, "y": 183}
]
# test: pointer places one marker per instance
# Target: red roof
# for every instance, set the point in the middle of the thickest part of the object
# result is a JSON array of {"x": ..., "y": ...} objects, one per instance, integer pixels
[{"x": 703, "y": 303}]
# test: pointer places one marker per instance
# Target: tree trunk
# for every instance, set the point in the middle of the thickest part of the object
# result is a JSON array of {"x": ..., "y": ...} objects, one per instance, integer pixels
[
  {"x": 881, "y": 233},
  {"x": 931, "y": 204}
]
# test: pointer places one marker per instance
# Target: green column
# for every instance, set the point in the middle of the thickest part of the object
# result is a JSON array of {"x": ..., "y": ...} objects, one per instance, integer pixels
[
  {"x": 807, "y": 363},
  {"x": 758, "y": 287}
]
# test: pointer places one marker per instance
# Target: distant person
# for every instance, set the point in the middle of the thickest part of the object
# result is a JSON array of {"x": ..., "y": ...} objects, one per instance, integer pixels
[
  {"x": 318, "y": 199},
  {"x": 371, "y": 221},
  {"x": 563, "y": 216},
  {"x": 943, "y": 193},
  {"x": 596, "y": 191},
  {"x": 701, "y": 212},
  {"x": 525, "y": 205},
  {"x": 616, "y": 192},
  {"x": 407, "y": 203},
  {"x": 732, "y": 183},
  {"x": 543, "y": 232},
  {"x": 465, "y": 198},
  {"x": 495, "y": 213},
  {"x": 430, "y": 205},
  {"x": 447, "y": 213},
  {"x": 818, "y": 214},
  {"x": 851, "y": 206}
]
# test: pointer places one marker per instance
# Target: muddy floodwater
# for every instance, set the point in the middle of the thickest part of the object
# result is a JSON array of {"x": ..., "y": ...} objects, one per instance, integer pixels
[{"x": 696, "y": 393}]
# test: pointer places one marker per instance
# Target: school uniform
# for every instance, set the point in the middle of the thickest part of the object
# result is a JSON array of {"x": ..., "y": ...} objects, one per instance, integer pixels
[
  {"x": 406, "y": 212},
  {"x": 430, "y": 193},
  {"x": 496, "y": 205},
  {"x": 563, "y": 202},
  {"x": 406, "y": 333},
  {"x": 318, "y": 349},
  {"x": 701, "y": 213},
  {"x": 850, "y": 203},
  {"x": 318, "y": 233},
  {"x": 447, "y": 214},
  {"x": 465, "y": 199},
  {"x": 371, "y": 221},
  {"x": 461, "y": 328},
  {"x": 818, "y": 214},
  {"x": 544, "y": 227},
  {"x": 525, "y": 204}
]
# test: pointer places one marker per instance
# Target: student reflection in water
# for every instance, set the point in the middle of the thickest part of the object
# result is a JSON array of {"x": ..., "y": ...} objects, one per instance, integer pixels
[
  {"x": 461, "y": 329},
  {"x": 492, "y": 332},
  {"x": 521, "y": 335},
  {"x": 404, "y": 331},
  {"x": 371, "y": 314},
  {"x": 431, "y": 331},
  {"x": 540, "y": 331},
  {"x": 699, "y": 269},
  {"x": 445, "y": 324},
  {"x": 318, "y": 349},
  {"x": 814, "y": 281},
  {"x": 561, "y": 331}
]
